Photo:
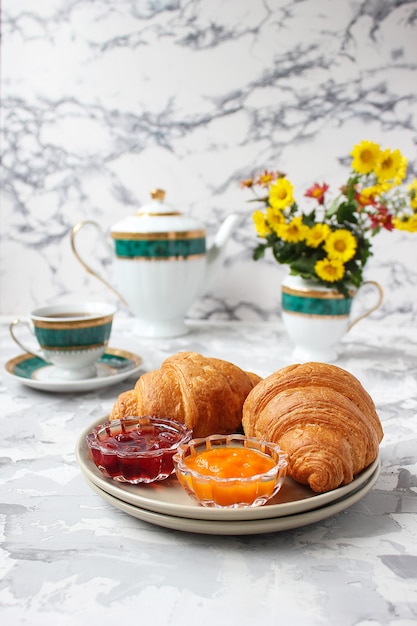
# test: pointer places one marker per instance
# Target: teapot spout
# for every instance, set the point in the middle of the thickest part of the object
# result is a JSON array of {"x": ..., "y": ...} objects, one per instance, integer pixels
[{"x": 215, "y": 252}]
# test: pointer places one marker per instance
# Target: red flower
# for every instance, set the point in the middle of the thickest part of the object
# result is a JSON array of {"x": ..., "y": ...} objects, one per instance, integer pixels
[
  {"x": 363, "y": 200},
  {"x": 317, "y": 191},
  {"x": 382, "y": 219}
]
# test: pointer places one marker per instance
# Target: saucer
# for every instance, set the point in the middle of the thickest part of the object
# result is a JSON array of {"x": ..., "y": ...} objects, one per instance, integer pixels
[{"x": 114, "y": 366}]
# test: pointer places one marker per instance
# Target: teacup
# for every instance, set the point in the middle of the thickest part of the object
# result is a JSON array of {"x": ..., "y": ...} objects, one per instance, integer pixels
[{"x": 72, "y": 337}]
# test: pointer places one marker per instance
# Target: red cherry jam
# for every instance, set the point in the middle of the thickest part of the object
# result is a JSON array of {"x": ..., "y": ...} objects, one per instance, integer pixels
[{"x": 137, "y": 449}]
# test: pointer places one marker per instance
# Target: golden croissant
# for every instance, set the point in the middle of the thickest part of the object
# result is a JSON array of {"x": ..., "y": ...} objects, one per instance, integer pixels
[
  {"x": 206, "y": 394},
  {"x": 322, "y": 417}
]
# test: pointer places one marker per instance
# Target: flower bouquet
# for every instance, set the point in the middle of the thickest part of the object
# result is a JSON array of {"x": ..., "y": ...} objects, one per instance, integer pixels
[{"x": 331, "y": 243}]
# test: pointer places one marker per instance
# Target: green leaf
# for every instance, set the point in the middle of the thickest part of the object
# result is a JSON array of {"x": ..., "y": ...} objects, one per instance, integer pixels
[
  {"x": 304, "y": 266},
  {"x": 259, "y": 251},
  {"x": 346, "y": 213},
  {"x": 309, "y": 219},
  {"x": 333, "y": 207}
]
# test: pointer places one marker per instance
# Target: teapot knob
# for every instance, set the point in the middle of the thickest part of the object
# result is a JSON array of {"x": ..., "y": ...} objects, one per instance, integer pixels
[{"x": 158, "y": 194}]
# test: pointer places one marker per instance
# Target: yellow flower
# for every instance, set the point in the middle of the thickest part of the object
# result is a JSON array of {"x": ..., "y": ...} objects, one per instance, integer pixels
[
  {"x": 294, "y": 231},
  {"x": 317, "y": 234},
  {"x": 389, "y": 166},
  {"x": 412, "y": 189},
  {"x": 265, "y": 178},
  {"x": 373, "y": 191},
  {"x": 365, "y": 156},
  {"x": 341, "y": 244},
  {"x": 330, "y": 270},
  {"x": 371, "y": 200},
  {"x": 408, "y": 223},
  {"x": 274, "y": 218},
  {"x": 281, "y": 194},
  {"x": 261, "y": 224},
  {"x": 402, "y": 171}
]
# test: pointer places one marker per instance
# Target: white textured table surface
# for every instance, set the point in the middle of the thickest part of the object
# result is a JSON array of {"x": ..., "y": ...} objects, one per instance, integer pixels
[{"x": 69, "y": 557}]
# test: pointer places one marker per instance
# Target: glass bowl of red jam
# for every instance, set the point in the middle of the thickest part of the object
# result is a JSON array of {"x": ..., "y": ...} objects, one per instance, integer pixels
[
  {"x": 230, "y": 471},
  {"x": 137, "y": 449}
]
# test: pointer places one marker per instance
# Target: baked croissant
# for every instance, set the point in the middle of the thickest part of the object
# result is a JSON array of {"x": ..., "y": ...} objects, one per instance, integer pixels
[
  {"x": 322, "y": 417},
  {"x": 206, "y": 394}
]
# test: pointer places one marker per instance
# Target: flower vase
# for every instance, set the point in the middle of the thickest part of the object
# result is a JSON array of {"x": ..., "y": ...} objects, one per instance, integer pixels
[{"x": 317, "y": 318}]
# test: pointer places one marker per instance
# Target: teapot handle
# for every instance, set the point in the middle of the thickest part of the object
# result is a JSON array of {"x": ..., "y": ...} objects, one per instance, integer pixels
[
  {"x": 75, "y": 230},
  {"x": 373, "y": 308}
]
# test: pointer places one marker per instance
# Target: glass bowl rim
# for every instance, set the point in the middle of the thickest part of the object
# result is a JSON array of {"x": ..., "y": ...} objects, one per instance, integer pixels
[
  {"x": 175, "y": 425},
  {"x": 273, "y": 472}
]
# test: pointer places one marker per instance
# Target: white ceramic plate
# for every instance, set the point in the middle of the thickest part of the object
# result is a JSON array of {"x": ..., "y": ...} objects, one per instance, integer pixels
[
  {"x": 167, "y": 497},
  {"x": 241, "y": 527},
  {"x": 114, "y": 366}
]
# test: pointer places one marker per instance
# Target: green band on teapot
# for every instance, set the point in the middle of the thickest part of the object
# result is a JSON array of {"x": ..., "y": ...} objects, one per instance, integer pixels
[
  {"x": 306, "y": 305},
  {"x": 160, "y": 248}
]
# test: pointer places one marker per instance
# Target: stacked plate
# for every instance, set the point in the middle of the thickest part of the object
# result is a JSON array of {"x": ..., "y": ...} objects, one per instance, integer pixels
[{"x": 166, "y": 504}]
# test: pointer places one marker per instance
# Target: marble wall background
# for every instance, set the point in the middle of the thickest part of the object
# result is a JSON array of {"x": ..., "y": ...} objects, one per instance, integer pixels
[{"x": 104, "y": 100}]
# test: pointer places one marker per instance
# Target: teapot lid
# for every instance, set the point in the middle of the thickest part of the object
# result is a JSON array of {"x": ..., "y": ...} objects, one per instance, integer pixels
[
  {"x": 158, "y": 206},
  {"x": 155, "y": 218}
]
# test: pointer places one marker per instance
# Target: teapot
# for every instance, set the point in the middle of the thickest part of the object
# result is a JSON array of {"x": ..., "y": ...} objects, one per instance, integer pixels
[{"x": 161, "y": 263}]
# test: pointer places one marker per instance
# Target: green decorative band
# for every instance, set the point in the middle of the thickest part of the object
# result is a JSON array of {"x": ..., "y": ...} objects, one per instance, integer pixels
[
  {"x": 26, "y": 367},
  {"x": 58, "y": 324},
  {"x": 160, "y": 249},
  {"x": 72, "y": 339},
  {"x": 306, "y": 305}
]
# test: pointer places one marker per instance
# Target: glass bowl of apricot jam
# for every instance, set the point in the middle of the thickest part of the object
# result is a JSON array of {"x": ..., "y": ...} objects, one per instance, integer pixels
[
  {"x": 230, "y": 471},
  {"x": 137, "y": 449}
]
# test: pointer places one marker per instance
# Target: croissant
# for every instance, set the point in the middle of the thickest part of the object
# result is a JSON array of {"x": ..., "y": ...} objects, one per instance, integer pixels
[
  {"x": 206, "y": 394},
  {"x": 322, "y": 417}
]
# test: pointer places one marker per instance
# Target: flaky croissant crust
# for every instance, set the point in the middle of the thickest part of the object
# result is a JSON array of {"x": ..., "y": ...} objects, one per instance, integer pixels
[
  {"x": 206, "y": 394},
  {"x": 322, "y": 417}
]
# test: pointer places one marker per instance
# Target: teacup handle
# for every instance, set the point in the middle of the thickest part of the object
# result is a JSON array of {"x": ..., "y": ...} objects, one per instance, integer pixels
[
  {"x": 23, "y": 322},
  {"x": 75, "y": 230},
  {"x": 374, "y": 307}
]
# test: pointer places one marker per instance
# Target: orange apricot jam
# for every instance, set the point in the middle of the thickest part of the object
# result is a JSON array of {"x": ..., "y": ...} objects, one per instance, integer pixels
[
  {"x": 230, "y": 477},
  {"x": 230, "y": 462}
]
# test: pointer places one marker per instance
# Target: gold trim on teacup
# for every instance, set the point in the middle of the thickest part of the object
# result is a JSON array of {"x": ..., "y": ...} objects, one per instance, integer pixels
[
  {"x": 178, "y": 257},
  {"x": 187, "y": 234},
  {"x": 88, "y": 348},
  {"x": 316, "y": 316},
  {"x": 89, "y": 322},
  {"x": 305, "y": 292}
]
